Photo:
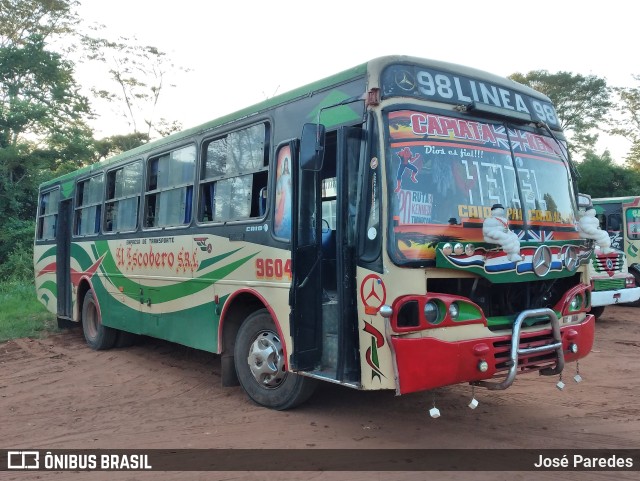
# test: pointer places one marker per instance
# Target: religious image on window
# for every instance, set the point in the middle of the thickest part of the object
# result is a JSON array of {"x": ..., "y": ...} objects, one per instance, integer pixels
[{"x": 282, "y": 223}]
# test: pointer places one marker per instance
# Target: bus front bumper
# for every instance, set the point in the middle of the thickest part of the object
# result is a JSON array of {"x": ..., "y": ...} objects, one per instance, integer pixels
[
  {"x": 426, "y": 363},
  {"x": 614, "y": 296}
]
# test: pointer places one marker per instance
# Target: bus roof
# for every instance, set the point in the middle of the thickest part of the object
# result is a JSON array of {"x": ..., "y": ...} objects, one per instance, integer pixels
[
  {"x": 374, "y": 67},
  {"x": 615, "y": 200}
]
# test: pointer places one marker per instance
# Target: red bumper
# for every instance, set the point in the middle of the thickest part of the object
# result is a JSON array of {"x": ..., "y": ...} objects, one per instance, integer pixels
[{"x": 428, "y": 363}]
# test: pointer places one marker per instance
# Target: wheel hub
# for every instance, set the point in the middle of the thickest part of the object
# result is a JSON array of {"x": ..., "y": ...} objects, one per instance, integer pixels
[{"x": 266, "y": 360}]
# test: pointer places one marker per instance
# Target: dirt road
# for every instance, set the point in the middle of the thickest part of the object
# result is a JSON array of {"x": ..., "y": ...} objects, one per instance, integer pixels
[{"x": 56, "y": 393}]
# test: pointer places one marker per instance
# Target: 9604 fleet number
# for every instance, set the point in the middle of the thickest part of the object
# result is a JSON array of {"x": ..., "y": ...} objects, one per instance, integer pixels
[{"x": 273, "y": 269}]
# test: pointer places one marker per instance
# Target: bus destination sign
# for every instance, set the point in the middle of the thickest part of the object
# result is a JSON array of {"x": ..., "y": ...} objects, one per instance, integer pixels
[{"x": 441, "y": 86}]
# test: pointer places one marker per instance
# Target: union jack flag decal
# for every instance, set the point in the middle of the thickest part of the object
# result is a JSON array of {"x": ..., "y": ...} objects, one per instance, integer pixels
[{"x": 530, "y": 235}]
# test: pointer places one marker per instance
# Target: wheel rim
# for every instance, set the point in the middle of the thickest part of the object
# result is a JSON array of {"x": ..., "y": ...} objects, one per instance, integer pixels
[
  {"x": 266, "y": 360},
  {"x": 92, "y": 321}
]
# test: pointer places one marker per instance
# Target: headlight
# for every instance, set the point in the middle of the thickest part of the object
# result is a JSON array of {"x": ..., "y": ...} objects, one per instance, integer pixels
[
  {"x": 454, "y": 311},
  {"x": 576, "y": 303},
  {"x": 432, "y": 312}
]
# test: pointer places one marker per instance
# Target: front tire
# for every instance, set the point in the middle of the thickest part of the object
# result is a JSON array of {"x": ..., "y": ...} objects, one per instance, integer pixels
[
  {"x": 97, "y": 335},
  {"x": 597, "y": 311},
  {"x": 260, "y": 365}
]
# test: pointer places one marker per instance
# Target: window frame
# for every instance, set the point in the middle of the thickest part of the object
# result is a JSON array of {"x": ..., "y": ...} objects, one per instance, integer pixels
[
  {"x": 77, "y": 209},
  {"x": 262, "y": 174},
  {"x": 115, "y": 200},
  {"x": 42, "y": 216},
  {"x": 146, "y": 192}
]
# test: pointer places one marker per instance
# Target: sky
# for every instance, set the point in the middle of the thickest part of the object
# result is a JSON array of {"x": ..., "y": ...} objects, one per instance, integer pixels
[{"x": 241, "y": 52}]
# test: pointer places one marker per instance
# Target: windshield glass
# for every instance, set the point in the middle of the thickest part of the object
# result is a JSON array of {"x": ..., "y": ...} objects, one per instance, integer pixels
[{"x": 446, "y": 173}]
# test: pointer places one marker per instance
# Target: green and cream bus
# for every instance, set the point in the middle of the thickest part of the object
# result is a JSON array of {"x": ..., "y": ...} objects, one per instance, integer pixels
[
  {"x": 339, "y": 232},
  {"x": 620, "y": 217}
]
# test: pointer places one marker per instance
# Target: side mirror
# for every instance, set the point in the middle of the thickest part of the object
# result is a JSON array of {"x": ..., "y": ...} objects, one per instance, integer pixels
[
  {"x": 312, "y": 147},
  {"x": 584, "y": 201}
]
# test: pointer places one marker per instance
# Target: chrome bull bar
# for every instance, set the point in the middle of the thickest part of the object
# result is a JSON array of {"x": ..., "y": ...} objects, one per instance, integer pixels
[{"x": 516, "y": 350}]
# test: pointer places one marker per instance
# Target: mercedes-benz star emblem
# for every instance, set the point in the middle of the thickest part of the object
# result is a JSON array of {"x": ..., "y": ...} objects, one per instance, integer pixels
[
  {"x": 541, "y": 261},
  {"x": 571, "y": 260},
  {"x": 405, "y": 80}
]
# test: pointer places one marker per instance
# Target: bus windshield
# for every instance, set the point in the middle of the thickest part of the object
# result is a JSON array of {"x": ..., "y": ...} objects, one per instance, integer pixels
[{"x": 447, "y": 172}]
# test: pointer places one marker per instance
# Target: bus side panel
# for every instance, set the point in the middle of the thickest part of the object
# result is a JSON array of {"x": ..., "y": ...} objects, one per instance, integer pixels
[
  {"x": 376, "y": 359},
  {"x": 177, "y": 301},
  {"x": 44, "y": 257}
]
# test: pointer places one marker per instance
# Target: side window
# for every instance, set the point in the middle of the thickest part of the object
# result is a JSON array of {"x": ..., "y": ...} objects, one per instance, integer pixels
[
  {"x": 88, "y": 205},
  {"x": 169, "y": 188},
  {"x": 48, "y": 215},
  {"x": 123, "y": 198},
  {"x": 233, "y": 181},
  {"x": 329, "y": 203},
  {"x": 614, "y": 222},
  {"x": 371, "y": 238},
  {"x": 282, "y": 217},
  {"x": 633, "y": 223}
]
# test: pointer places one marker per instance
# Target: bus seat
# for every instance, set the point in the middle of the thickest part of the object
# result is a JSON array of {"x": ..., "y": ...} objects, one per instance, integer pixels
[
  {"x": 328, "y": 241},
  {"x": 328, "y": 256}
]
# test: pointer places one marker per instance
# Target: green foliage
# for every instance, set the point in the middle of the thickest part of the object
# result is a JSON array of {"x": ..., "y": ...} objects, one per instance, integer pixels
[
  {"x": 18, "y": 267},
  {"x": 116, "y": 144},
  {"x": 629, "y": 126},
  {"x": 16, "y": 250},
  {"x": 42, "y": 114},
  {"x": 21, "y": 314},
  {"x": 582, "y": 103},
  {"x": 22, "y": 19},
  {"x": 601, "y": 177},
  {"x": 633, "y": 157},
  {"x": 38, "y": 94}
]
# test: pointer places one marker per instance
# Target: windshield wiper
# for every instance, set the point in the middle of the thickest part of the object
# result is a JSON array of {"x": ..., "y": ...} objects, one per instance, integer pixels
[
  {"x": 563, "y": 150},
  {"x": 492, "y": 112}
]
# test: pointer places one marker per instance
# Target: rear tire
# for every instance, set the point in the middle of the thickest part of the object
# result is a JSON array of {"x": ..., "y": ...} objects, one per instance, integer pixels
[
  {"x": 259, "y": 361},
  {"x": 97, "y": 335}
]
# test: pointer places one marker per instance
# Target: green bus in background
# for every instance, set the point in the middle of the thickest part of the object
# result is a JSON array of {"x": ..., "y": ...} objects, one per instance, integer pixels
[{"x": 620, "y": 217}]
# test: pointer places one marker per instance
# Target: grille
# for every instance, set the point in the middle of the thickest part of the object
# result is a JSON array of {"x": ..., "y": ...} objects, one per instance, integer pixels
[
  {"x": 608, "y": 284},
  {"x": 526, "y": 362},
  {"x": 600, "y": 263}
]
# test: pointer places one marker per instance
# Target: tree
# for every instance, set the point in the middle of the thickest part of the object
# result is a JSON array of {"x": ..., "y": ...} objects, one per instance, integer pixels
[
  {"x": 601, "y": 177},
  {"x": 40, "y": 107},
  {"x": 42, "y": 112},
  {"x": 582, "y": 103},
  {"x": 38, "y": 93},
  {"x": 138, "y": 74},
  {"x": 629, "y": 126},
  {"x": 22, "y": 19},
  {"x": 116, "y": 144}
]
